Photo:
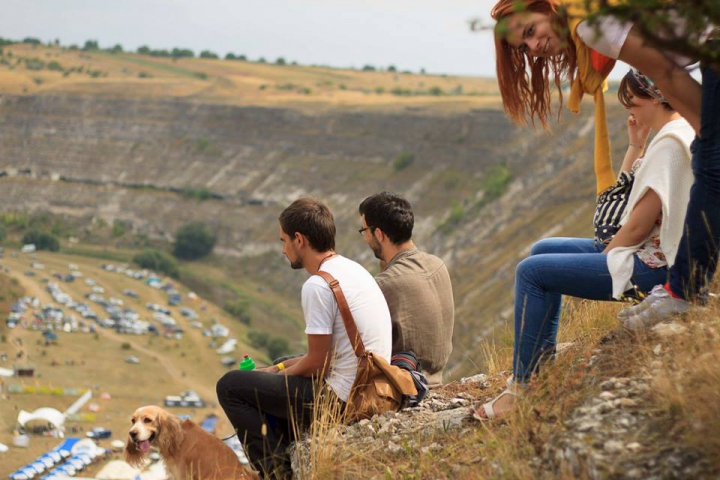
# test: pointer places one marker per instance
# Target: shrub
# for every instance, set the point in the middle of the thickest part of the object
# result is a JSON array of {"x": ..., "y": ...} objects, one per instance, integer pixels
[
  {"x": 119, "y": 228},
  {"x": 3, "y": 233},
  {"x": 496, "y": 182},
  {"x": 437, "y": 91},
  {"x": 193, "y": 241},
  {"x": 201, "y": 75},
  {"x": 144, "y": 75},
  {"x": 280, "y": 61},
  {"x": 240, "y": 309},
  {"x": 368, "y": 68},
  {"x": 258, "y": 339},
  {"x": 38, "y": 81},
  {"x": 55, "y": 66},
  {"x": 202, "y": 144},
  {"x": 42, "y": 240},
  {"x": 32, "y": 40},
  {"x": 116, "y": 49},
  {"x": 144, "y": 50},
  {"x": 404, "y": 160},
  {"x": 126, "y": 346},
  {"x": 203, "y": 193},
  {"x": 401, "y": 91},
  {"x": 157, "y": 261},
  {"x": 34, "y": 64},
  {"x": 274, "y": 346},
  {"x": 230, "y": 56},
  {"x": 277, "y": 347},
  {"x": 91, "y": 45}
]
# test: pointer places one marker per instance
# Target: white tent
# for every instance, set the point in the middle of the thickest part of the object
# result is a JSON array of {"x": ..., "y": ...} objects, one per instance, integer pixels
[
  {"x": 48, "y": 415},
  {"x": 227, "y": 347},
  {"x": 6, "y": 372}
]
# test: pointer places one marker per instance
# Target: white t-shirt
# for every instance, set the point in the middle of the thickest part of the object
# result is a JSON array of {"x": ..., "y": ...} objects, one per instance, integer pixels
[
  {"x": 368, "y": 307},
  {"x": 608, "y": 35}
]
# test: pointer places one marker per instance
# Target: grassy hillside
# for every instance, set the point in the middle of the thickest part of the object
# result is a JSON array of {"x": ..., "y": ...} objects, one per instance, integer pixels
[{"x": 27, "y": 69}]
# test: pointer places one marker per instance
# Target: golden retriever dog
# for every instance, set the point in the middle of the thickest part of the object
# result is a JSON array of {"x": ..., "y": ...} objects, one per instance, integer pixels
[{"x": 190, "y": 453}]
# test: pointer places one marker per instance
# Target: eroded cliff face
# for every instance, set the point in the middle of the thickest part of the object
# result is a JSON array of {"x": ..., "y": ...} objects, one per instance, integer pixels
[{"x": 120, "y": 159}]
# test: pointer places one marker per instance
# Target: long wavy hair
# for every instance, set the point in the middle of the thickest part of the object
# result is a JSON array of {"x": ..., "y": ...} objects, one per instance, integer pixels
[{"x": 524, "y": 80}]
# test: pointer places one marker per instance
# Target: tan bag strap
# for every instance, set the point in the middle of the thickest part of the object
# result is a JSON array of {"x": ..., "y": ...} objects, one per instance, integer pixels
[{"x": 346, "y": 314}]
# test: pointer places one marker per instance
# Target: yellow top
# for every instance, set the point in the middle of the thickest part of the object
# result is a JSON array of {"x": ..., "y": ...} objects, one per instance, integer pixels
[{"x": 587, "y": 80}]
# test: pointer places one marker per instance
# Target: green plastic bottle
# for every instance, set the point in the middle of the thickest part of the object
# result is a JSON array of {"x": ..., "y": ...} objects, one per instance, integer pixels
[{"x": 246, "y": 363}]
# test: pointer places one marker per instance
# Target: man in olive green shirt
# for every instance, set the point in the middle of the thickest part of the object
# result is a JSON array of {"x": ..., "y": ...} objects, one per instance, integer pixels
[{"x": 416, "y": 284}]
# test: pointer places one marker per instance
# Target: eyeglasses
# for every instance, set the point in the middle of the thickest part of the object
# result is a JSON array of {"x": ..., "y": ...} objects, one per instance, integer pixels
[{"x": 362, "y": 230}]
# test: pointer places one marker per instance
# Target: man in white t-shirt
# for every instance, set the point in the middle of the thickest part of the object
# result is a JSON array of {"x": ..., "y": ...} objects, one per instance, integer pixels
[{"x": 260, "y": 403}]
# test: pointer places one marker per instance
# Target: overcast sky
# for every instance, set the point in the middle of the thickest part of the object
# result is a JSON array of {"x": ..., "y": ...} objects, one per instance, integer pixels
[{"x": 410, "y": 34}]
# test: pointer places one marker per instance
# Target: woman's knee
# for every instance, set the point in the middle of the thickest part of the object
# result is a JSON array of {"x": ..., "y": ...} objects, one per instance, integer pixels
[{"x": 545, "y": 245}]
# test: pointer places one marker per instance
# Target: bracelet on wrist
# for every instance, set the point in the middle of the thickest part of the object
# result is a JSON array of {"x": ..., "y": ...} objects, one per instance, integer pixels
[{"x": 636, "y": 146}]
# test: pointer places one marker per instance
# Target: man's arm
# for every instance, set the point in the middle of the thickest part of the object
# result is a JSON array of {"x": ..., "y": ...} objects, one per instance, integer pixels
[{"x": 315, "y": 362}]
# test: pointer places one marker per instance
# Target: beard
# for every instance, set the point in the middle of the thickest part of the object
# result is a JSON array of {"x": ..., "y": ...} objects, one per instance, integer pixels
[
  {"x": 297, "y": 264},
  {"x": 377, "y": 249}
]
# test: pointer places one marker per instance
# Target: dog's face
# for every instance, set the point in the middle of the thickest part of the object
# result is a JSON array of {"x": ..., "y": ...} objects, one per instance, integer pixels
[
  {"x": 150, "y": 426},
  {"x": 146, "y": 425}
]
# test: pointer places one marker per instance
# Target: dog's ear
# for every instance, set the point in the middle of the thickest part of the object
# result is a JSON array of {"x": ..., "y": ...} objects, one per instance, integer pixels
[
  {"x": 132, "y": 455},
  {"x": 171, "y": 435}
]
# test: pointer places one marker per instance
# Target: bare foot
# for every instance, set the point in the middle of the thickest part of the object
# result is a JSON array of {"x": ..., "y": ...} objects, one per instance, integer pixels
[{"x": 501, "y": 405}]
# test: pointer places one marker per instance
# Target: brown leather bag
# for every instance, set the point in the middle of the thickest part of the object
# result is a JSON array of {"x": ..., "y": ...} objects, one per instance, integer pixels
[{"x": 379, "y": 386}]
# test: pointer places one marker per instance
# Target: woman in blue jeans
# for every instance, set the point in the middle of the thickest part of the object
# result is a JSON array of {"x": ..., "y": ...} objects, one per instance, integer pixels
[{"x": 638, "y": 255}]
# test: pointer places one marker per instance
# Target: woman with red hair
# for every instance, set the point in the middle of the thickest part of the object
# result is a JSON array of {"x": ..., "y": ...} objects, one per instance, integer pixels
[{"x": 543, "y": 43}]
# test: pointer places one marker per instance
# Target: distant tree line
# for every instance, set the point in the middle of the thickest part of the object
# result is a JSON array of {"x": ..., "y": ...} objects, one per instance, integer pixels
[{"x": 178, "y": 53}]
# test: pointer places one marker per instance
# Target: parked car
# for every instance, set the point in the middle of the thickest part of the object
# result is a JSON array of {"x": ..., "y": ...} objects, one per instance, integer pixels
[{"x": 99, "y": 433}]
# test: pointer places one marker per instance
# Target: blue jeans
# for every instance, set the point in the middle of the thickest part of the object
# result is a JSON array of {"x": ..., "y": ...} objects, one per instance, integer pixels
[
  {"x": 697, "y": 255},
  {"x": 557, "y": 267}
]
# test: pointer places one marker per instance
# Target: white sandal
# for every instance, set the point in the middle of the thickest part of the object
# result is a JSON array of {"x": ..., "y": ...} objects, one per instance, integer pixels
[{"x": 488, "y": 407}]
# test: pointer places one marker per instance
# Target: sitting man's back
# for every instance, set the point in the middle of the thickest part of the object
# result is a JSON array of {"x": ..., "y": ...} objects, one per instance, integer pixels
[{"x": 416, "y": 284}]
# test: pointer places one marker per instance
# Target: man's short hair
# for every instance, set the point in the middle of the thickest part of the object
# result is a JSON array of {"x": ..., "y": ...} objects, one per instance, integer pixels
[
  {"x": 391, "y": 213},
  {"x": 311, "y": 218}
]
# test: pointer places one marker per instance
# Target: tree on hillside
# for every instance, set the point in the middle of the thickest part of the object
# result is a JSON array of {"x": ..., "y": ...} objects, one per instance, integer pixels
[
  {"x": 392, "y": 68},
  {"x": 42, "y": 240},
  {"x": 157, "y": 261},
  {"x": 368, "y": 68},
  {"x": 91, "y": 45},
  {"x": 182, "y": 53},
  {"x": 230, "y": 56},
  {"x": 193, "y": 241},
  {"x": 208, "y": 54},
  {"x": 280, "y": 61},
  {"x": 116, "y": 49},
  {"x": 32, "y": 40},
  {"x": 144, "y": 50}
]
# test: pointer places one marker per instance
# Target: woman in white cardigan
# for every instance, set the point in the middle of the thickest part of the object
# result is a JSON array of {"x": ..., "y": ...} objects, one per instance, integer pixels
[{"x": 638, "y": 256}]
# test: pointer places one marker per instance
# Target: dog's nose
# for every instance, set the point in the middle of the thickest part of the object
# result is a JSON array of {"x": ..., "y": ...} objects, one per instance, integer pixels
[{"x": 133, "y": 434}]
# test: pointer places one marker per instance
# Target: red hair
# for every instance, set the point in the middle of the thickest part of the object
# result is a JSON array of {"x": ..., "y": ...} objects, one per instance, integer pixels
[{"x": 524, "y": 80}]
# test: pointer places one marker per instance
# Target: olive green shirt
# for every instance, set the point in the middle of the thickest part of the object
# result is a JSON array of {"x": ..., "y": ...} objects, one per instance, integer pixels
[{"x": 419, "y": 294}]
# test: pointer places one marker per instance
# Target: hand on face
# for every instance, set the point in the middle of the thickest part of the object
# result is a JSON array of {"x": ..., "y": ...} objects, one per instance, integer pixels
[{"x": 637, "y": 132}]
